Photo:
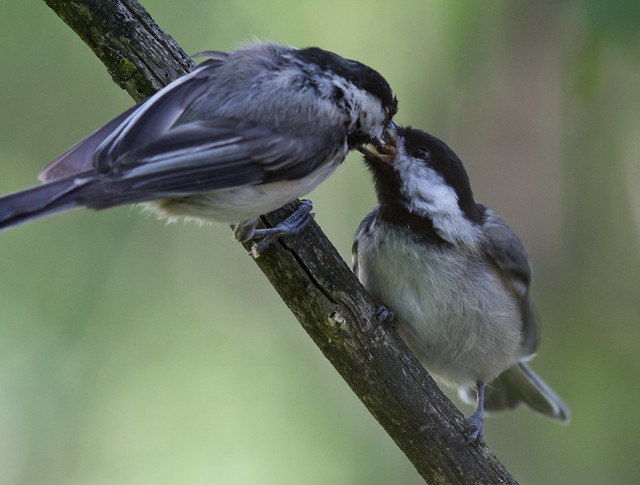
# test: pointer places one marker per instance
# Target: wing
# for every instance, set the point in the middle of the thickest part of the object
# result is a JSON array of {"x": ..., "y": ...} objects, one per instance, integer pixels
[
  {"x": 506, "y": 250},
  {"x": 364, "y": 229},
  {"x": 146, "y": 120},
  {"x": 207, "y": 155},
  {"x": 79, "y": 158}
]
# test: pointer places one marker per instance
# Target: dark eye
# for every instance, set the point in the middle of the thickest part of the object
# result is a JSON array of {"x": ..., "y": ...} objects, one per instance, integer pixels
[{"x": 421, "y": 152}]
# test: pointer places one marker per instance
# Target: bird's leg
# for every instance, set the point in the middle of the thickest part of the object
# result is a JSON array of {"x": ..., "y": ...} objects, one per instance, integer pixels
[
  {"x": 290, "y": 226},
  {"x": 476, "y": 420}
]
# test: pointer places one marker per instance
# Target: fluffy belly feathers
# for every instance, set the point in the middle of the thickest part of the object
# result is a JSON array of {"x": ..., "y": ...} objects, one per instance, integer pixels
[{"x": 462, "y": 329}]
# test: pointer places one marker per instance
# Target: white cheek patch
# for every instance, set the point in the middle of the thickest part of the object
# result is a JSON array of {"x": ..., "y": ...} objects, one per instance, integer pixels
[
  {"x": 372, "y": 116},
  {"x": 428, "y": 195},
  {"x": 363, "y": 107}
]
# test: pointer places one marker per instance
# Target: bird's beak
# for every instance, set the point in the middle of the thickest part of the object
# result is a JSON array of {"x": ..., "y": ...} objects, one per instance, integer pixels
[{"x": 383, "y": 147}]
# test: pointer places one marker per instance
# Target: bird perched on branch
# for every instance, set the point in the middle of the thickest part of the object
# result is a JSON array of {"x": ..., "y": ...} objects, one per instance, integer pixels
[
  {"x": 241, "y": 135},
  {"x": 452, "y": 276}
]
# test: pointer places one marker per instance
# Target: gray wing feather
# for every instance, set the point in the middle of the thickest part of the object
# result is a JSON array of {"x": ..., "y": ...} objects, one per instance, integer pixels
[
  {"x": 194, "y": 158},
  {"x": 203, "y": 156},
  {"x": 506, "y": 250},
  {"x": 154, "y": 118},
  {"x": 364, "y": 229},
  {"x": 79, "y": 158},
  {"x": 145, "y": 121}
]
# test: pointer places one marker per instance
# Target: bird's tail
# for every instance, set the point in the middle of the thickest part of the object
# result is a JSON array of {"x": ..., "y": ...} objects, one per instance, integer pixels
[
  {"x": 42, "y": 200},
  {"x": 519, "y": 384}
]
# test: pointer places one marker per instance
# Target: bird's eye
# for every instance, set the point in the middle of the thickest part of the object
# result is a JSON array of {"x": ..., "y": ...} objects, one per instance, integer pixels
[{"x": 421, "y": 152}]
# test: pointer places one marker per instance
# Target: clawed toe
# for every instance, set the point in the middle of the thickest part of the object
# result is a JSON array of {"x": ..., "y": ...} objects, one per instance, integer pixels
[
  {"x": 475, "y": 430},
  {"x": 384, "y": 315},
  {"x": 290, "y": 226}
]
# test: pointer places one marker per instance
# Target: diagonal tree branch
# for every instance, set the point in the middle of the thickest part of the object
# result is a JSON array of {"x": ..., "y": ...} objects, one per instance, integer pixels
[{"x": 309, "y": 275}]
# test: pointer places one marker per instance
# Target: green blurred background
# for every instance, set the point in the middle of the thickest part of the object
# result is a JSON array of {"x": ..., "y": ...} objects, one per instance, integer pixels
[{"x": 135, "y": 352}]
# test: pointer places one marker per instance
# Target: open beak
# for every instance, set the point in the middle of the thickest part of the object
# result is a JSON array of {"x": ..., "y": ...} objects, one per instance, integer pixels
[{"x": 384, "y": 147}]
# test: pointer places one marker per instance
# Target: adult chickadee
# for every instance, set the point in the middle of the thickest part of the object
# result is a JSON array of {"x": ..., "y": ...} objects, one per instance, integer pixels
[
  {"x": 243, "y": 134},
  {"x": 453, "y": 275}
]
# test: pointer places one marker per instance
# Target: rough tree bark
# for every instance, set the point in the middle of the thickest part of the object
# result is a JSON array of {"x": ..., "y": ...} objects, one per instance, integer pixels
[{"x": 309, "y": 275}]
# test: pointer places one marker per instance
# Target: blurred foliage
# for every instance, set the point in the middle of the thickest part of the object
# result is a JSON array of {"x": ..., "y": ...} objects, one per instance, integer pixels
[{"x": 135, "y": 352}]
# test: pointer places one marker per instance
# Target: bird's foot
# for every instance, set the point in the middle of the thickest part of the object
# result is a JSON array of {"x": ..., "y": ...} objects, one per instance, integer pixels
[
  {"x": 384, "y": 315},
  {"x": 290, "y": 226},
  {"x": 475, "y": 428}
]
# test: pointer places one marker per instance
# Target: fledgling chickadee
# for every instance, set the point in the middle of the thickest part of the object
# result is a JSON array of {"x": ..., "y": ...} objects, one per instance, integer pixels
[
  {"x": 452, "y": 275},
  {"x": 243, "y": 134}
]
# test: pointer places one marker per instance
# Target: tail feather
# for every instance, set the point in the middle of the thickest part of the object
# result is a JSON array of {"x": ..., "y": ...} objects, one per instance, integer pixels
[
  {"x": 41, "y": 201},
  {"x": 519, "y": 384}
]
